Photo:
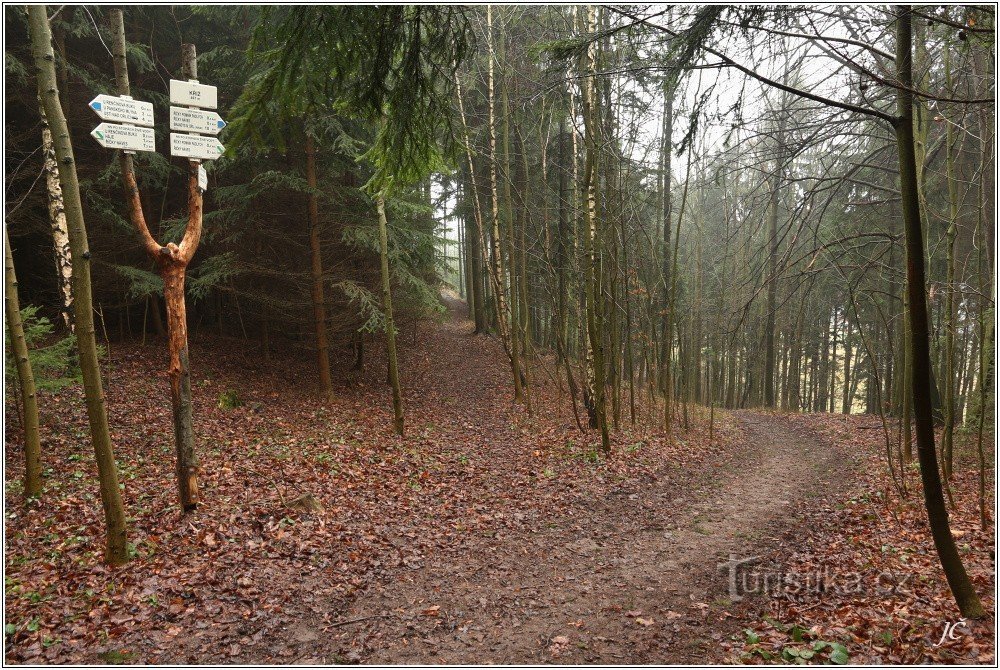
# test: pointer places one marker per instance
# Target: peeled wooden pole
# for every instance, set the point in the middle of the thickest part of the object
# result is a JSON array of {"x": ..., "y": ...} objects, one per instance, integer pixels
[
  {"x": 937, "y": 514},
  {"x": 171, "y": 262},
  {"x": 86, "y": 341},
  {"x": 32, "y": 442}
]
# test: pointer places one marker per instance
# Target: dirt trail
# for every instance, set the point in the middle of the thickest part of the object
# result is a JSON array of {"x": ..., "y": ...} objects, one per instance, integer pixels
[{"x": 631, "y": 578}]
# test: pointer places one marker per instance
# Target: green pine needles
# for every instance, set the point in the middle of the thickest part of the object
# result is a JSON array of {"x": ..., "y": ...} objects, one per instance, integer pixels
[{"x": 54, "y": 364}]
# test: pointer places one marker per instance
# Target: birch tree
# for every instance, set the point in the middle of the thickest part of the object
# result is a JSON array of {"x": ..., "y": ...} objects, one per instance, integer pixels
[{"x": 57, "y": 220}]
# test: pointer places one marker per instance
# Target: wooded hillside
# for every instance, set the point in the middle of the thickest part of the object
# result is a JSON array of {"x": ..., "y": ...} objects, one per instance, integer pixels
[{"x": 656, "y": 219}]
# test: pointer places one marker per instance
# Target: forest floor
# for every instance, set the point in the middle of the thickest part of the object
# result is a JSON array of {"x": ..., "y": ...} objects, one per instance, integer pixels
[{"x": 485, "y": 535}]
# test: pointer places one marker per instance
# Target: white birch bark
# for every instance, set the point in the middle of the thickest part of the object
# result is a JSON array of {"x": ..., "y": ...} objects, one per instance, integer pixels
[{"x": 57, "y": 220}]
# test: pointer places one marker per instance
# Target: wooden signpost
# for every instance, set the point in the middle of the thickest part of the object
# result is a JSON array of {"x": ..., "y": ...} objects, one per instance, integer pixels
[
  {"x": 195, "y": 121},
  {"x": 123, "y": 109},
  {"x": 130, "y": 134},
  {"x": 193, "y": 144},
  {"x": 195, "y": 147},
  {"x": 171, "y": 259},
  {"x": 120, "y": 136},
  {"x": 192, "y": 94}
]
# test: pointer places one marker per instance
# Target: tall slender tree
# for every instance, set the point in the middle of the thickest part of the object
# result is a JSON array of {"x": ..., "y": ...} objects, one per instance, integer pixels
[
  {"x": 114, "y": 514},
  {"x": 25, "y": 377},
  {"x": 593, "y": 236},
  {"x": 937, "y": 514}
]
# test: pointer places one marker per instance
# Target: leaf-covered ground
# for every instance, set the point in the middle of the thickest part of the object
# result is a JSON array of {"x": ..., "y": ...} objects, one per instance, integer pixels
[
  {"x": 483, "y": 535},
  {"x": 223, "y": 584},
  {"x": 863, "y": 574}
]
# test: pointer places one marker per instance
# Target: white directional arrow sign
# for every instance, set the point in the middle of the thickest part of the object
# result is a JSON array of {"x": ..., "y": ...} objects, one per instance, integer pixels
[
  {"x": 126, "y": 110},
  {"x": 131, "y": 138},
  {"x": 193, "y": 94},
  {"x": 195, "y": 146},
  {"x": 195, "y": 121}
]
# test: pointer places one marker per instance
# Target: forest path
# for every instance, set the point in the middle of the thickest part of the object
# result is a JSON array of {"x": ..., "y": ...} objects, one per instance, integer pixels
[{"x": 630, "y": 578}]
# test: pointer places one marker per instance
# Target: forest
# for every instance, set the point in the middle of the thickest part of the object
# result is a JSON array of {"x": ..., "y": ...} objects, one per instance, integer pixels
[{"x": 517, "y": 334}]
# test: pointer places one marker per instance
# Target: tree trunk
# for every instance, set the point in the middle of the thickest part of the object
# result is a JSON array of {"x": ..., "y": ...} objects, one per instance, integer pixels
[
  {"x": 665, "y": 308},
  {"x": 513, "y": 274},
  {"x": 985, "y": 285},
  {"x": 562, "y": 267},
  {"x": 522, "y": 244},
  {"x": 937, "y": 514},
  {"x": 26, "y": 379},
  {"x": 697, "y": 317},
  {"x": 772, "y": 267},
  {"x": 390, "y": 328},
  {"x": 57, "y": 220},
  {"x": 947, "y": 437},
  {"x": 114, "y": 515},
  {"x": 907, "y": 381},
  {"x": 504, "y": 317},
  {"x": 464, "y": 263},
  {"x": 891, "y": 368},
  {"x": 629, "y": 356},
  {"x": 795, "y": 361},
  {"x": 477, "y": 247},
  {"x": 316, "y": 258},
  {"x": 823, "y": 370},
  {"x": 833, "y": 362},
  {"x": 180, "y": 381},
  {"x": 592, "y": 240},
  {"x": 848, "y": 397},
  {"x": 473, "y": 260},
  {"x": 462, "y": 279},
  {"x": 562, "y": 262}
]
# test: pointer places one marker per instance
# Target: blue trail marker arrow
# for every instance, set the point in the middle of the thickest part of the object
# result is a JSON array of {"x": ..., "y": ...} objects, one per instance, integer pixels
[
  {"x": 196, "y": 121},
  {"x": 123, "y": 110}
]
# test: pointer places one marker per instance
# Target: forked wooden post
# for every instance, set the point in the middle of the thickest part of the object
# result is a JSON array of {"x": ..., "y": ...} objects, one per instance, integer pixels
[{"x": 171, "y": 262}]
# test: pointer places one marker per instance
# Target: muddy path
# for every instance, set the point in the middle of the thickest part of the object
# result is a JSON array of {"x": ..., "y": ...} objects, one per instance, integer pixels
[
  {"x": 631, "y": 578},
  {"x": 486, "y": 535}
]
